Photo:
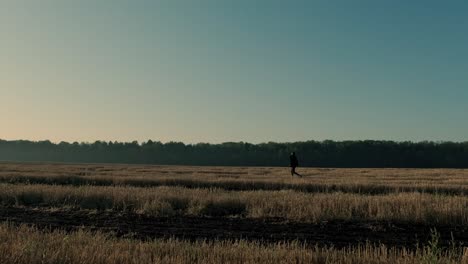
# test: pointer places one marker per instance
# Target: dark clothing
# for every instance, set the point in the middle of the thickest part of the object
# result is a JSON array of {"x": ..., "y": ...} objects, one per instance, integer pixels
[{"x": 293, "y": 161}]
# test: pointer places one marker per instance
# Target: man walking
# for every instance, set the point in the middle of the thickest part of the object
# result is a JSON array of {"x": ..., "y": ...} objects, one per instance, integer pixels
[{"x": 293, "y": 162}]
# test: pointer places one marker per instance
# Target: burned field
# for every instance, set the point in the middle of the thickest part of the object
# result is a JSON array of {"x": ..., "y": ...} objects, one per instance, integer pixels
[{"x": 328, "y": 215}]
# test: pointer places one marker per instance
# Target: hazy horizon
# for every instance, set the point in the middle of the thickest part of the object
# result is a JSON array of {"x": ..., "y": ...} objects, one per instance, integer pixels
[
  {"x": 140, "y": 142},
  {"x": 216, "y": 71}
]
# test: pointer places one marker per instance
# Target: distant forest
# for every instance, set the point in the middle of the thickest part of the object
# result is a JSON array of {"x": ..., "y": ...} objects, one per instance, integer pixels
[{"x": 367, "y": 153}]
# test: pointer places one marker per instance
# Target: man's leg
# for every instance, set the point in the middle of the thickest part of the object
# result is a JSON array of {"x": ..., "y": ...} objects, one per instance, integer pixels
[
  {"x": 297, "y": 173},
  {"x": 293, "y": 171}
]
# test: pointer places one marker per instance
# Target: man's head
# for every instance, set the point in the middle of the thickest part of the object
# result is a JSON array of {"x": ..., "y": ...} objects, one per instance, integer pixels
[{"x": 293, "y": 153}]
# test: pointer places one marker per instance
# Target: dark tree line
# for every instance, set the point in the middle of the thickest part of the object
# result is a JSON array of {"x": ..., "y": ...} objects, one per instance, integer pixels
[{"x": 367, "y": 153}]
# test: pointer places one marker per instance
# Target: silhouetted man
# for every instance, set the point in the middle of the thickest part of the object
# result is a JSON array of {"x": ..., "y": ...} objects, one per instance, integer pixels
[{"x": 293, "y": 162}]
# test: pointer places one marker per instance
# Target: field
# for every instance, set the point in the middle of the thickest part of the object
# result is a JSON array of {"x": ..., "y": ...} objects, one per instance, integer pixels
[{"x": 65, "y": 213}]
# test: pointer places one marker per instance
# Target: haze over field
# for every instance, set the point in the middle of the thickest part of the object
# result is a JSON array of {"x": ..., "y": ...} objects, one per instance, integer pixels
[{"x": 215, "y": 71}]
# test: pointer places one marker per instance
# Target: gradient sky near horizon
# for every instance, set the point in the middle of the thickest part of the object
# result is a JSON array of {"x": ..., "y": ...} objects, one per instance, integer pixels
[{"x": 216, "y": 71}]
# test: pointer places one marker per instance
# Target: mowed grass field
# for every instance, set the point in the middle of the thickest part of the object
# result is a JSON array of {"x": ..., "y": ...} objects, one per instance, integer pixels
[{"x": 94, "y": 213}]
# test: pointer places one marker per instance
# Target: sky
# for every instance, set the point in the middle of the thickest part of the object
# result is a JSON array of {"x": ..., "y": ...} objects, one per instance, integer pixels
[{"x": 217, "y": 71}]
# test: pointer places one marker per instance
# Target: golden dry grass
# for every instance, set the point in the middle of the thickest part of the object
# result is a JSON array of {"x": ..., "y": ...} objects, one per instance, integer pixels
[
  {"x": 428, "y": 196},
  {"x": 288, "y": 204},
  {"x": 28, "y": 245},
  {"x": 363, "y": 181}
]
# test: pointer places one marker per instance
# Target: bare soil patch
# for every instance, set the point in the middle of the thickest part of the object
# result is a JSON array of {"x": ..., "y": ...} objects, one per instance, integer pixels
[{"x": 332, "y": 233}]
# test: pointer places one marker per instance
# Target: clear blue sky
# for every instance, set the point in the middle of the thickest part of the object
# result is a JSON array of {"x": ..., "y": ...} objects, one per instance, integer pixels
[{"x": 215, "y": 71}]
